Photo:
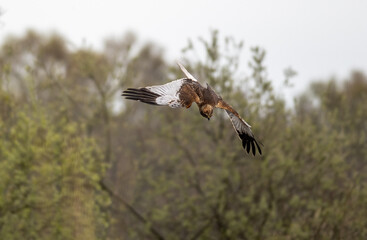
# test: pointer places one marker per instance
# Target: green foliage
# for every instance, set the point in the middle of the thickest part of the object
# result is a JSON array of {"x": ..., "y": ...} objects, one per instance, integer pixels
[
  {"x": 196, "y": 181},
  {"x": 172, "y": 174},
  {"x": 50, "y": 174}
]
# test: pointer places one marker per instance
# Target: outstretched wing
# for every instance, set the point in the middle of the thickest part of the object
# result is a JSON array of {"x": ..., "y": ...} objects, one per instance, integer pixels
[
  {"x": 187, "y": 74},
  {"x": 242, "y": 128},
  {"x": 178, "y": 93},
  {"x": 166, "y": 94}
]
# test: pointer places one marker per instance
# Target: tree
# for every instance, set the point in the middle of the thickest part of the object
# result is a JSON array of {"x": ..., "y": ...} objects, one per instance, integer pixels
[
  {"x": 50, "y": 173},
  {"x": 76, "y": 161},
  {"x": 198, "y": 184}
]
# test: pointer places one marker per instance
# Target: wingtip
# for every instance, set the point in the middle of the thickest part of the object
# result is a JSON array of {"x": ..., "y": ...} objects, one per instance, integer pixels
[
  {"x": 178, "y": 63},
  {"x": 250, "y": 144},
  {"x": 258, "y": 147},
  {"x": 184, "y": 70}
]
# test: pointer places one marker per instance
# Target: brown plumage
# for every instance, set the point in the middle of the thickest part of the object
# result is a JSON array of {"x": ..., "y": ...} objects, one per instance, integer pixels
[{"x": 183, "y": 92}]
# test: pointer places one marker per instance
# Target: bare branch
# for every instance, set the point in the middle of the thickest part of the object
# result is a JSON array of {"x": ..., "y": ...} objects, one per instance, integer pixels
[{"x": 140, "y": 217}]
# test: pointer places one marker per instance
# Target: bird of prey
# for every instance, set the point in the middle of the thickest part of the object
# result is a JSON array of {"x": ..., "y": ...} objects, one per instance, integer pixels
[{"x": 183, "y": 92}]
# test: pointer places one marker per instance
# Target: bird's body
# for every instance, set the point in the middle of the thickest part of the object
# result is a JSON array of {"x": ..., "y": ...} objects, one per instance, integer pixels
[{"x": 183, "y": 92}]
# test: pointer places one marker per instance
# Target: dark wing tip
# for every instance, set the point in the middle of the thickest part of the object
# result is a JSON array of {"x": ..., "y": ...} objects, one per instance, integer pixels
[
  {"x": 140, "y": 94},
  {"x": 249, "y": 143}
]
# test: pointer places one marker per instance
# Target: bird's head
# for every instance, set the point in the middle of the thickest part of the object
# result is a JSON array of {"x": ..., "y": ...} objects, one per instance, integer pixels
[{"x": 206, "y": 111}]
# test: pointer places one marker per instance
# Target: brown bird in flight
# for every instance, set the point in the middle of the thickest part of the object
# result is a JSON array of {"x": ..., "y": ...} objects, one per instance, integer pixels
[{"x": 183, "y": 92}]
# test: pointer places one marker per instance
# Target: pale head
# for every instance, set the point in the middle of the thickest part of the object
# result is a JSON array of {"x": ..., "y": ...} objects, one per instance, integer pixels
[{"x": 206, "y": 111}]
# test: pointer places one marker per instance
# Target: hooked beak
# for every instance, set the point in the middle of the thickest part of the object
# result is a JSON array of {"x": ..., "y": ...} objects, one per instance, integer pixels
[{"x": 208, "y": 119}]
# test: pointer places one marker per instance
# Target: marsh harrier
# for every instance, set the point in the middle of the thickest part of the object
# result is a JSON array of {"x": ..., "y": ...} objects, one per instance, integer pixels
[{"x": 183, "y": 92}]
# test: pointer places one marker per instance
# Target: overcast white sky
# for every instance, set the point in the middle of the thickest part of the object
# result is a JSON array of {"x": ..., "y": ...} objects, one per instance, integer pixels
[{"x": 317, "y": 38}]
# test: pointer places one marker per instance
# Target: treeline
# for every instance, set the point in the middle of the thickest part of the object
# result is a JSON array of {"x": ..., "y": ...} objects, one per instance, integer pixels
[{"x": 79, "y": 162}]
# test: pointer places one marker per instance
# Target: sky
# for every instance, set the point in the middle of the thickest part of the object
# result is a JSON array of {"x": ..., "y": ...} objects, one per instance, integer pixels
[{"x": 319, "y": 39}]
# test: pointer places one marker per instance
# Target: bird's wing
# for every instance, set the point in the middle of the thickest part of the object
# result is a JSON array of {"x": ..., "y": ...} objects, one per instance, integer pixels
[
  {"x": 173, "y": 94},
  {"x": 242, "y": 128},
  {"x": 187, "y": 74}
]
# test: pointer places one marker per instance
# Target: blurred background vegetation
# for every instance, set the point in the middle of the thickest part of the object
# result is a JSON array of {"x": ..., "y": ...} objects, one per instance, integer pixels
[{"x": 79, "y": 162}]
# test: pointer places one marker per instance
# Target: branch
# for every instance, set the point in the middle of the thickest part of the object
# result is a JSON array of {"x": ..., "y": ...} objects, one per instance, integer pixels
[
  {"x": 106, "y": 118},
  {"x": 140, "y": 217},
  {"x": 193, "y": 164},
  {"x": 201, "y": 230},
  {"x": 66, "y": 93}
]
